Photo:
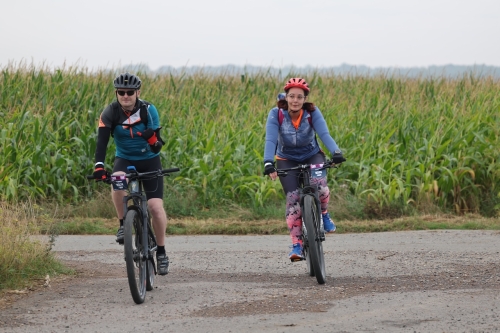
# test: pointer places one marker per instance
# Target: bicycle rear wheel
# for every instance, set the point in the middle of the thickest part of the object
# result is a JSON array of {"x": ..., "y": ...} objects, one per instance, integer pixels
[
  {"x": 134, "y": 256},
  {"x": 315, "y": 247},
  {"x": 150, "y": 280}
]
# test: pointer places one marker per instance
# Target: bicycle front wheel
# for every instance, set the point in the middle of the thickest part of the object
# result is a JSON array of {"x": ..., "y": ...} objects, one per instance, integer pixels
[
  {"x": 135, "y": 256},
  {"x": 307, "y": 254},
  {"x": 315, "y": 254},
  {"x": 151, "y": 270}
]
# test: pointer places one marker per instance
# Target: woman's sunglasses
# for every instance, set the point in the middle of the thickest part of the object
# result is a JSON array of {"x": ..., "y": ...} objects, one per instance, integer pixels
[{"x": 123, "y": 92}]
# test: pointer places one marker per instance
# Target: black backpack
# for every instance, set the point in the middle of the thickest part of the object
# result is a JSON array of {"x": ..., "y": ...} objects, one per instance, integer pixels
[{"x": 116, "y": 113}]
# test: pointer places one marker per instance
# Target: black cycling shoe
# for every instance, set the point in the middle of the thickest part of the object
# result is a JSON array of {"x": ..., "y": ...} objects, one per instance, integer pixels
[
  {"x": 120, "y": 235},
  {"x": 162, "y": 262}
]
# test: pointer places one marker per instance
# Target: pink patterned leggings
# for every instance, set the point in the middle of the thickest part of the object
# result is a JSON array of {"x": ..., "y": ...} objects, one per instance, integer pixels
[{"x": 290, "y": 185}]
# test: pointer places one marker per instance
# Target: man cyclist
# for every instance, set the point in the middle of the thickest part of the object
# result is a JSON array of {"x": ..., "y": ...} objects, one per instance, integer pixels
[{"x": 134, "y": 125}]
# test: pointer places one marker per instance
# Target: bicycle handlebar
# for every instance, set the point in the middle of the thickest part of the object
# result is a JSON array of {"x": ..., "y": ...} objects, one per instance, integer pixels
[
  {"x": 139, "y": 175},
  {"x": 326, "y": 165}
]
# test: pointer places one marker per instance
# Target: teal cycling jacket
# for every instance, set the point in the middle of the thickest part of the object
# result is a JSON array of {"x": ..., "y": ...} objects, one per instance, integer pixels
[{"x": 129, "y": 145}]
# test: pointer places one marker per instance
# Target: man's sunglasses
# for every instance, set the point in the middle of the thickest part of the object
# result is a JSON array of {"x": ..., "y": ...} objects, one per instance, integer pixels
[{"x": 123, "y": 92}]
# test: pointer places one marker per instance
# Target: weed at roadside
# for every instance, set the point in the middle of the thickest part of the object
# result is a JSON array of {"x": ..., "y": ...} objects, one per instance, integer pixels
[{"x": 23, "y": 258}]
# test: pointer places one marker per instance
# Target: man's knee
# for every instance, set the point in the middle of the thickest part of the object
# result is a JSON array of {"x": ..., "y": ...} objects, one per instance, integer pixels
[{"x": 156, "y": 206}]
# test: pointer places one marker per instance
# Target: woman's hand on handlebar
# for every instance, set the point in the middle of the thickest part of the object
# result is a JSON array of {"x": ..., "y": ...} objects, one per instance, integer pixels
[
  {"x": 337, "y": 158},
  {"x": 270, "y": 170}
]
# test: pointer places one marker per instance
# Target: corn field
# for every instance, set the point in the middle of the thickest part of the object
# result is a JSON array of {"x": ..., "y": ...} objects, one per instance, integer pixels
[{"x": 409, "y": 142}]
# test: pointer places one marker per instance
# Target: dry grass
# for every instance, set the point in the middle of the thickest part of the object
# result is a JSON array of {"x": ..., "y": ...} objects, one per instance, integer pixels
[
  {"x": 226, "y": 226},
  {"x": 22, "y": 258},
  {"x": 421, "y": 222}
]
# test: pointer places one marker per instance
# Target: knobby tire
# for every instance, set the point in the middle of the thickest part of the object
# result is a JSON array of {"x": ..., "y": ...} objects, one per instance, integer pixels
[
  {"x": 315, "y": 247},
  {"x": 136, "y": 263},
  {"x": 151, "y": 270},
  {"x": 307, "y": 252}
]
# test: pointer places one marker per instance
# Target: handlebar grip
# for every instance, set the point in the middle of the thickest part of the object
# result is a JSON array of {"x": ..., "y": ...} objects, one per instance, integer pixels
[
  {"x": 282, "y": 173},
  {"x": 107, "y": 180},
  {"x": 170, "y": 170}
]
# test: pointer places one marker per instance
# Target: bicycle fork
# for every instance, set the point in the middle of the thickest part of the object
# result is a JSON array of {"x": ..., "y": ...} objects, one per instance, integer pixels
[
  {"x": 318, "y": 224},
  {"x": 148, "y": 247},
  {"x": 151, "y": 247},
  {"x": 140, "y": 203}
]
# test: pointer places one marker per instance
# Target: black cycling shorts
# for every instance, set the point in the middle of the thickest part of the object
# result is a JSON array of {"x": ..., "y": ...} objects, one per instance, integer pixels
[{"x": 152, "y": 187}]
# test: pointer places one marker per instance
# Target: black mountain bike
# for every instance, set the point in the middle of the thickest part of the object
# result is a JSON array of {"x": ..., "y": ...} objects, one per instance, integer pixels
[
  {"x": 139, "y": 238},
  {"x": 313, "y": 233}
]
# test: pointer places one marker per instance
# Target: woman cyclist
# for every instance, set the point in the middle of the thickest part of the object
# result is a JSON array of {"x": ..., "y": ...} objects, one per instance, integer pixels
[{"x": 291, "y": 130}]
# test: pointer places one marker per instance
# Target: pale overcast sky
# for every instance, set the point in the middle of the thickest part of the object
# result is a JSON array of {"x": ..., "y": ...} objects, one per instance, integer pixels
[{"x": 319, "y": 33}]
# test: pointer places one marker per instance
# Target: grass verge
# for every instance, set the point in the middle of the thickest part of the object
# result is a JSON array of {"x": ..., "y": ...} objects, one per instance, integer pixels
[
  {"x": 234, "y": 226},
  {"x": 24, "y": 261},
  {"x": 422, "y": 222}
]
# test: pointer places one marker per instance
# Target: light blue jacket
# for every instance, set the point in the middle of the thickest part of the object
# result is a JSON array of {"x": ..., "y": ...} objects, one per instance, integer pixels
[{"x": 296, "y": 144}]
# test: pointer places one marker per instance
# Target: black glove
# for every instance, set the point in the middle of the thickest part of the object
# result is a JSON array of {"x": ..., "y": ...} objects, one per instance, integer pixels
[
  {"x": 153, "y": 139},
  {"x": 157, "y": 131},
  {"x": 337, "y": 158},
  {"x": 99, "y": 172},
  {"x": 149, "y": 135},
  {"x": 269, "y": 168},
  {"x": 156, "y": 147}
]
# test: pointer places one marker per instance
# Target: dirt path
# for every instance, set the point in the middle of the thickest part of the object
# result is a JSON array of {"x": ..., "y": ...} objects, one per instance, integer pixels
[{"x": 425, "y": 281}]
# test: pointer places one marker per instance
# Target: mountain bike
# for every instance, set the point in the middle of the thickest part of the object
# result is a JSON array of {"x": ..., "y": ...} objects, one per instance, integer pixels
[
  {"x": 139, "y": 238},
  {"x": 313, "y": 233}
]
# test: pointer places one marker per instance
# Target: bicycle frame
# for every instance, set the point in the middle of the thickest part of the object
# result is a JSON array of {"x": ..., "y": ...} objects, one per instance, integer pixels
[
  {"x": 139, "y": 203},
  {"x": 313, "y": 233},
  {"x": 306, "y": 188}
]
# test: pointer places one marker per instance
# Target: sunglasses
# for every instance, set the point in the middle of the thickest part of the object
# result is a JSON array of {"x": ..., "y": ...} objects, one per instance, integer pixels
[{"x": 123, "y": 92}]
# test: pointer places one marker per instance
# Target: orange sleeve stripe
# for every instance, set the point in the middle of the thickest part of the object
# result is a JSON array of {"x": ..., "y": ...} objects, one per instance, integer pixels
[{"x": 101, "y": 124}]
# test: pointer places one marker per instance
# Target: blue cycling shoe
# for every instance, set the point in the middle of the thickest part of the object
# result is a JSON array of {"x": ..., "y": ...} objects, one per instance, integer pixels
[
  {"x": 328, "y": 223},
  {"x": 297, "y": 252}
]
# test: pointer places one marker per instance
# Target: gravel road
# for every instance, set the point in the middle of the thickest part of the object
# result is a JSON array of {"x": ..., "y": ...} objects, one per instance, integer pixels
[{"x": 419, "y": 281}]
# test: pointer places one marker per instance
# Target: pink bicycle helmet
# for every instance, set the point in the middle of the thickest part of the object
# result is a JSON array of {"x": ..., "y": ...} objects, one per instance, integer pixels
[{"x": 297, "y": 82}]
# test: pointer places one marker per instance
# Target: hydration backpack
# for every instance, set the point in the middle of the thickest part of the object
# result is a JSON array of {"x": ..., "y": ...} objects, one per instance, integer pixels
[
  {"x": 116, "y": 112},
  {"x": 281, "y": 116}
]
